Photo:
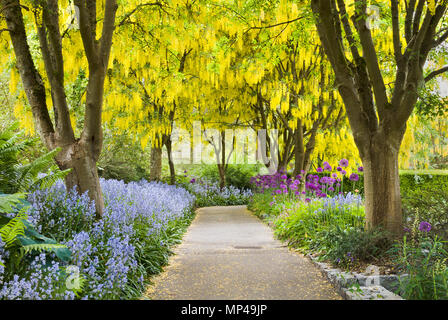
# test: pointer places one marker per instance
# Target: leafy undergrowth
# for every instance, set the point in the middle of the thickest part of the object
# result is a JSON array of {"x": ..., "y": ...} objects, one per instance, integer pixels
[{"x": 332, "y": 229}]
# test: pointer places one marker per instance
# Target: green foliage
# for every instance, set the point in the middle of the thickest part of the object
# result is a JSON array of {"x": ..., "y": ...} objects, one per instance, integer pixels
[
  {"x": 122, "y": 158},
  {"x": 260, "y": 205},
  {"x": 331, "y": 227},
  {"x": 10, "y": 231},
  {"x": 236, "y": 175},
  {"x": 411, "y": 181},
  {"x": 6, "y": 100},
  {"x": 300, "y": 222},
  {"x": 424, "y": 260},
  {"x": 431, "y": 104},
  {"x": 21, "y": 240},
  {"x": 346, "y": 246},
  {"x": 429, "y": 203},
  {"x": 19, "y": 177},
  {"x": 9, "y": 201}
]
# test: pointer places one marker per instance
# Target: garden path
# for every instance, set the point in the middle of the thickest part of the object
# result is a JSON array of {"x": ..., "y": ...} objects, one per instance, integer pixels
[{"x": 228, "y": 253}]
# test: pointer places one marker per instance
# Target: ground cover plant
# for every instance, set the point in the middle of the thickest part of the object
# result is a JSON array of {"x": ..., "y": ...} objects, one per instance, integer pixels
[
  {"x": 209, "y": 193},
  {"x": 115, "y": 255}
]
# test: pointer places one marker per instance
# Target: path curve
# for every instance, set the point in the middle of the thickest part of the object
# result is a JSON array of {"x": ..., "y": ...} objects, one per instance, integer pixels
[{"x": 228, "y": 253}]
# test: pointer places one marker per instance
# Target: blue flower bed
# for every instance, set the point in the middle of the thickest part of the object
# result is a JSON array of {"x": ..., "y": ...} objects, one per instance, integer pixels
[
  {"x": 208, "y": 193},
  {"x": 114, "y": 255}
]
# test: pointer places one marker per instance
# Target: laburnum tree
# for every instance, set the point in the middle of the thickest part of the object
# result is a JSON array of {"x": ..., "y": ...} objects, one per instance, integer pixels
[
  {"x": 282, "y": 72},
  {"x": 379, "y": 70},
  {"x": 150, "y": 92},
  {"x": 56, "y": 43}
]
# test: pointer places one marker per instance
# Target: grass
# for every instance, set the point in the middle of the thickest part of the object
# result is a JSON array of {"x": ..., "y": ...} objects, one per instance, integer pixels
[{"x": 426, "y": 171}]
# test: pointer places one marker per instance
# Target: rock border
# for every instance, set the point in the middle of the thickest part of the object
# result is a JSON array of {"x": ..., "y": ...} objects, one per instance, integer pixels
[{"x": 358, "y": 286}]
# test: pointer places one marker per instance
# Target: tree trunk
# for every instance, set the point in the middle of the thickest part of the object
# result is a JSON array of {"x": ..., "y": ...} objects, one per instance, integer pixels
[
  {"x": 155, "y": 172},
  {"x": 222, "y": 164},
  {"x": 222, "y": 176},
  {"x": 299, "y": 149},
  {"x": 170, "y": 159},
  {"x": 382, "y": 186},
  {"x": 84, "y": 175},
  {"x": 78, "y": 154}
]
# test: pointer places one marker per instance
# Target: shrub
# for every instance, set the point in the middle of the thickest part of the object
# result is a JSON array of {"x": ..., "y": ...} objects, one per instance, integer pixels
[
  {"x": 429, "y": 203},
  {"x": 236, "y": 175},
  {"x": 345, "y": 246},
  {"x": 123, "y": 159},
  {"x": 425, "y": 262},
  {"x": 302, "y": 221}
]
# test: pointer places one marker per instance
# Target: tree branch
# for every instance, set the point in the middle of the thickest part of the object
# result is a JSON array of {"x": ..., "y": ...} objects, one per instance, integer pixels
[{"x": 435, "y": 73}]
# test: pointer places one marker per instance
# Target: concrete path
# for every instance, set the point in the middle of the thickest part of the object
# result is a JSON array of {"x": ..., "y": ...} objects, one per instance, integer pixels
[{"x": 228, "y": 253}]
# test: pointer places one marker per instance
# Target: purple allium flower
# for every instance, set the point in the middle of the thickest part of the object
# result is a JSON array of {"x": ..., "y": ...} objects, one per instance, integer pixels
[
  {"x": 193, "y": 180},
  {"x": 354, "y": 177},
  {"x": 327, "y": 167},
  {"x": 307, "y": 200},
  {"x": 425, "y": 226},
  {"x": 319, "y": 169},
  {"x": 278, "y": 191},
  {"x": 406, "y": 229},
  {"x": 343, "y": 163},
  {"x": 284, "y": 176},
  {"x": 361, "y": 169},
  {"x": 343, "y": 172},
  {"x": 339, "y": 168},
  {"x": 334, "y": 175}
]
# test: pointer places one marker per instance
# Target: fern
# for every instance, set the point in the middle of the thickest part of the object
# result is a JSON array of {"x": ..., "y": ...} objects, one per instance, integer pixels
[
  {"x": 18, "y": 177},
  {"x": 9, "y": 201},
  {"x": 41, "y": 247},
  {"x": 13, "y": 229},
  {"x": 50, "y": 179}
]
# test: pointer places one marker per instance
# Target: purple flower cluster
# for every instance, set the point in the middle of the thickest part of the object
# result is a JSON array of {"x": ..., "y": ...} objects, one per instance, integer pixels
[
  {"x": 53, "y": 209},
  {"x": 312, "y": 185},
  {"x": 208, "y": 188},
  {"x": 44, "y": 280},
  {"x": 424, "y": 226}
]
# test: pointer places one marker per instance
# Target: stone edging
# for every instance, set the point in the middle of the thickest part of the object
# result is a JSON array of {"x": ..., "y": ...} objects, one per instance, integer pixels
[{"x": 356, "y": 286}]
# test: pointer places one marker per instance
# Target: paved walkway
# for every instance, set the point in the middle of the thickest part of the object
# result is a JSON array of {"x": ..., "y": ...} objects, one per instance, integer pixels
[{"x": 228, "y": 253}]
